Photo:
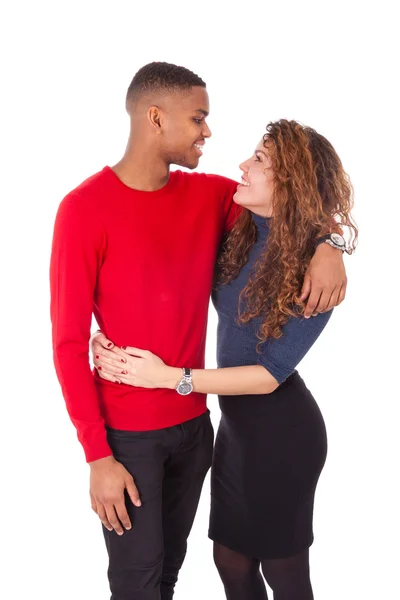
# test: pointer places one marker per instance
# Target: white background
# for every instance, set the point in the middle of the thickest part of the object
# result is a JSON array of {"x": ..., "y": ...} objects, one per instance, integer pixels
[{"x": 65, "y": 70}]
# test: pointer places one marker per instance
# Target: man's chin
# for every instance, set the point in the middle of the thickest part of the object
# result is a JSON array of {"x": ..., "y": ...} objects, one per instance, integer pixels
[
  {"x": 192, "y": 164},
  {"x": 186, "y": 164}
]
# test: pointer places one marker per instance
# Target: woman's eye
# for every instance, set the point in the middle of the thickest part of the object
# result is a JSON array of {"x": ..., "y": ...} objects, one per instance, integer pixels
[{"x": 257, "y": 158}]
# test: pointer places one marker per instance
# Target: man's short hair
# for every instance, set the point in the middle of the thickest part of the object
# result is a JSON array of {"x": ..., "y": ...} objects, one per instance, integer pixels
[{"x": 161, "y": 77}]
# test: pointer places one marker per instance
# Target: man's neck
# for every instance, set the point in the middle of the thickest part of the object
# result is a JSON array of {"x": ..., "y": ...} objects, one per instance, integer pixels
[{"x": 141, "y": 169}]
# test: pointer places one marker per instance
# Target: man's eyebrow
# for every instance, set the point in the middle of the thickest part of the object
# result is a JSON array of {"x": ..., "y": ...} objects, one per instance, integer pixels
[{"x": 202, "y": 111}]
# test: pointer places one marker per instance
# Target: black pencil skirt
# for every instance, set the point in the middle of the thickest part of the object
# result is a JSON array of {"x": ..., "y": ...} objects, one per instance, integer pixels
[{"x": 269, "y": 452}]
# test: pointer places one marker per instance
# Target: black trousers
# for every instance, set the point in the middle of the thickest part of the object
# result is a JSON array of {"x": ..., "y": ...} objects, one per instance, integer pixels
[{"x": 169, "y": 466}]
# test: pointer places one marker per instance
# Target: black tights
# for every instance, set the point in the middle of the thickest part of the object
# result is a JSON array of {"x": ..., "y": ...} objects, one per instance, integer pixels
[{"x": 289, "y": 578}]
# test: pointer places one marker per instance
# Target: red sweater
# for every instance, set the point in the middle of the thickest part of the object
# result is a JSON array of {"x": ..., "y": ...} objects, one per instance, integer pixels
[{"x": 142, "y": 263}]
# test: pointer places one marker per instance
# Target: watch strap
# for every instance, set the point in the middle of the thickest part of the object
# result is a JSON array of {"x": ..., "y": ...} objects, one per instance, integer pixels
[{"x": 328, "y": 239}]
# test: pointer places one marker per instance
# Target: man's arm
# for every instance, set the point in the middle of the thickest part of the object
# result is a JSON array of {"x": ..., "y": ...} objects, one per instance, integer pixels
[
  {"x": 77, "y": 251},
  {"x": 78, "y": 243},
  {"x": 325, "y": 281}
]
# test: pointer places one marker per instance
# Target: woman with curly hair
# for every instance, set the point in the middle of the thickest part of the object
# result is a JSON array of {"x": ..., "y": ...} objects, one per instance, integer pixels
[{"x": 271, "y": 442}]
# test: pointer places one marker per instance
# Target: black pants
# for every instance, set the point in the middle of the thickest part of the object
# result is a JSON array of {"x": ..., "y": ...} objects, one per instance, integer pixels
[{"x": 169, "y": 466}]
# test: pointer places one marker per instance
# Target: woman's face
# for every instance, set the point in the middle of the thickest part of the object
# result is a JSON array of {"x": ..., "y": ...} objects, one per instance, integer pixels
[{"x": 257, "y": 188}]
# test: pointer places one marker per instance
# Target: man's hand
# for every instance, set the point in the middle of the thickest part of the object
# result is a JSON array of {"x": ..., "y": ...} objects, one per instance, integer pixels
[
  {"x": 108, "y": 481},
  {"x": 325, "y": 281}
]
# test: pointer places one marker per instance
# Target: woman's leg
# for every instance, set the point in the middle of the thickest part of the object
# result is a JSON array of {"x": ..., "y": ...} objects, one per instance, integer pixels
[
  {"x": 289, "y": 578},
  {"x": 240, "y": 575}
]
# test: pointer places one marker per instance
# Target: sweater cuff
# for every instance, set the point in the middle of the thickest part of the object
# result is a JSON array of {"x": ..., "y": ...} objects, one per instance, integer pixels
[
  {"x": 96, "y": 454},
  {"x": 96, "y": 448}
]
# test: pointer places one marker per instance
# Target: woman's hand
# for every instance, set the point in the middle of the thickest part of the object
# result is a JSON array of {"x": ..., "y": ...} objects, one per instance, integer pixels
[
  {"x": 132, "y": 366},
  {"x": 99, "y": 344}
]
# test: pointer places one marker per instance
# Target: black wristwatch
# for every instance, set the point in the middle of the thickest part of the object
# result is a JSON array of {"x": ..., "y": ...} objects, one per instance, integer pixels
[
  {"x": 185, "y": 386},
  {"x": 335, "y": 240}
]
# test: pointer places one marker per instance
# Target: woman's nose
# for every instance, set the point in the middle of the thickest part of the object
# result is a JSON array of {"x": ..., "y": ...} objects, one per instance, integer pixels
[{"x": 243, "y": 166}]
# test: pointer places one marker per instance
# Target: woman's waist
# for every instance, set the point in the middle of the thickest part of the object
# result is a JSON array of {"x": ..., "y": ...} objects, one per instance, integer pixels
[{"x": 292, "y": 391}]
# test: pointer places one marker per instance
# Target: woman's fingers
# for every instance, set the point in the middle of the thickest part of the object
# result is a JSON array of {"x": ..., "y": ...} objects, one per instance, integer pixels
[
  {"x": 136, "y": 351},
  {"x": 111, "y": 354},
  {"x": 105, "y": 357},
  {"x": 97, "y": 347},
  {"x": 109, "y": 368},
  {"x": 119, "y": 352},
  {"x": 107, "y": 376},
  {"x": 99, "y": 338},
  {"x": 126, "y": 380}
]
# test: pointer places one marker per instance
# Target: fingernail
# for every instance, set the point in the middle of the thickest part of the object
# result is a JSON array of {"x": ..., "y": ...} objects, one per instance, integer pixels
[
  {"x": 123, "y": 360},
  {"x": 109, "y": 345},
  {"x": 138, "y": 503},
  {"x": 120, "y": 532},
  {"x": 99, "y": 368},
  {"x": 97, "y": 356},
  {"x": 117, "y": 381},
  {"x": 128, "y": 528},
  {"x": 123, "y": 347},
  {"x": 124, "y": 372}
]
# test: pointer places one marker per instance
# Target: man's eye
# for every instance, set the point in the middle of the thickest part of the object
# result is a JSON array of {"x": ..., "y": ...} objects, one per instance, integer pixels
[{"x": 198, "y": 121}]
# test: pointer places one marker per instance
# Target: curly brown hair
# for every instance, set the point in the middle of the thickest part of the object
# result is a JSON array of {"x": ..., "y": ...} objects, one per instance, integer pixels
[{"x": 313, "y": 196}]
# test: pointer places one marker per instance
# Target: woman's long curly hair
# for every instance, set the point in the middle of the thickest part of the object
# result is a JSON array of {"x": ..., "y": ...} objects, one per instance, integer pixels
[{"x": 313, "y": 196}]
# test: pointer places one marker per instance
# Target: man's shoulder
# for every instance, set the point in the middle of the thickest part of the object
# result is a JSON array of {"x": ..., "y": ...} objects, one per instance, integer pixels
[
  {"x": 91, "y": 185},
  {"x": 89, "y": 191},
  {"x": 211, "y": 181}
]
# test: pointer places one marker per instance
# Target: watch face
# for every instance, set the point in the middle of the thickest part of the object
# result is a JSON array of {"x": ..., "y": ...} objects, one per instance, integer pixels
[
  {"x": 185, "y": 388},
  {"x": 337, "y": 239}
]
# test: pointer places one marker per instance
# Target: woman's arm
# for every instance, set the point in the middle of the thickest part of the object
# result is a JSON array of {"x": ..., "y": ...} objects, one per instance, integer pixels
[
  {"x": 231, "y": 381},
  {"x": 277, "y": 360},
  {"x": 141, "y": 368}
]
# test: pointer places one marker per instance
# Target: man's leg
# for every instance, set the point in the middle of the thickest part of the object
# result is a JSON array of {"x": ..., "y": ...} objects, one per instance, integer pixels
[
  {"x": 136, "y": 557},
  {"x": 184, "y": 476}
]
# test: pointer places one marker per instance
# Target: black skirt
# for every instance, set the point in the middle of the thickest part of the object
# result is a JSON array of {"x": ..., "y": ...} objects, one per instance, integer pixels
[{"x": 269, "y": 452}]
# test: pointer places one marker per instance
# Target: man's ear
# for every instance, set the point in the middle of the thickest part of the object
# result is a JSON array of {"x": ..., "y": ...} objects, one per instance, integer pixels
[{"x": 154, "y": 116}]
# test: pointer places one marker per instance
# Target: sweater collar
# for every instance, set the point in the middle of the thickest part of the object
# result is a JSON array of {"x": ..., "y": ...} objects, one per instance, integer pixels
[{"x": 262, "y": 223}]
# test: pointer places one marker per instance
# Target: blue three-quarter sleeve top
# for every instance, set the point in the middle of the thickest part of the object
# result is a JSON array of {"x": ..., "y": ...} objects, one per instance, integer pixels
[{"x": 237, "y": 343}]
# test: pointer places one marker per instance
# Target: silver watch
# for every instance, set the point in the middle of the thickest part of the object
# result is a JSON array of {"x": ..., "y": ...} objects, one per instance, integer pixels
[
  {"x": 336, "y": 241},
  {"x": 185, "y": 386}
]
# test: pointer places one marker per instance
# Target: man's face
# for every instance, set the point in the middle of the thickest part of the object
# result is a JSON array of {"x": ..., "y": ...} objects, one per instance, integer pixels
[{"x": 183, "y": 126}]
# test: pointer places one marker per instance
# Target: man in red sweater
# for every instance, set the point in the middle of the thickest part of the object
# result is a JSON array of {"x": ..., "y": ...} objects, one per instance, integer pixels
[{"x": 136, "y": 245}]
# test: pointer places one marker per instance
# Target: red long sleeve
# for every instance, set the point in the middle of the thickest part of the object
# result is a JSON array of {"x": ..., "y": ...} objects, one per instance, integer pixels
[
  {"x": 142, "y": 263},
  {"x": 77, "y": 253}
]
